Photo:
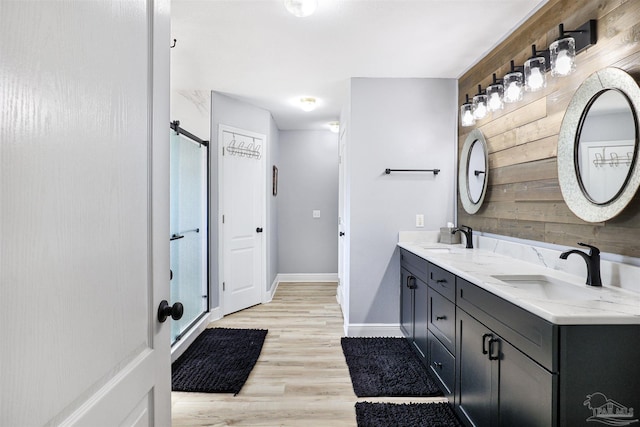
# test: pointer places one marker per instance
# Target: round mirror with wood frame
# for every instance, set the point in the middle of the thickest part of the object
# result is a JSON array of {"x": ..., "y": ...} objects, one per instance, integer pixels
[
  {"x": 473, "y": 171},
  {"x": 598, "y": 146}
]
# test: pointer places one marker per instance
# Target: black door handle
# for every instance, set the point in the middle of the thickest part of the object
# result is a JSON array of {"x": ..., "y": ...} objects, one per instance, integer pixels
[
  {"x": 494, "y": 355},
  {"x": 484, "y": 343},
  {"x": 259, "y": 230},
  {"x": 341, "y": 233},
  {"x": 165, "y": 310}
]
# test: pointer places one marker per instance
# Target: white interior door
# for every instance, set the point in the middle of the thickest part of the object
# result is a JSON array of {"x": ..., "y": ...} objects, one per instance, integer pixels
[
  {"x": 84, "y": 182},
  {"x": 243, "y": 212},
  {"x": 341, "y": 216},
  {"x": 343, "y": 226}
]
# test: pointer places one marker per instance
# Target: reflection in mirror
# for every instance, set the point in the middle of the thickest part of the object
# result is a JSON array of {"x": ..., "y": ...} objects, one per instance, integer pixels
[
  {"x": 598, "y": 168},
  {"x": 473, "y": 171},
  {"x": 605, "y": 145},
  {"x": 476, "y": 171}
]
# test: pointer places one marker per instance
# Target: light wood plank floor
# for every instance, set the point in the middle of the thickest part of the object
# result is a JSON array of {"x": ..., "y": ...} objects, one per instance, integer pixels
[{"x": 300, "y": 379}]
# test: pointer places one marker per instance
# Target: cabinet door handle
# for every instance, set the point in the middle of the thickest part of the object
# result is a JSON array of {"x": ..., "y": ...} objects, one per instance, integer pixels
[
  {"x": 411, "y": 285},
  {"x": 493, "y": 356},
  {"x": 437, "y": 365},
  {"x": 441, "y": 317},
  {"x": 484, "y": 343}
]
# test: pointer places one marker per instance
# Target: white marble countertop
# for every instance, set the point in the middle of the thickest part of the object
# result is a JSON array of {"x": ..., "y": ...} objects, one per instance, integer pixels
[{"x": 576, "y": 304}]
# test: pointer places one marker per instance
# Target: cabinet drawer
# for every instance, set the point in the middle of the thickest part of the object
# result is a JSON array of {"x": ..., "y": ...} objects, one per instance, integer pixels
[
  {"x": 442, "y": 365},
  {"x": 416, "y": 265},
  {"x": 442, "y": 281},
  {"x": 442, "y": 320},
  {"x": 529, "y": 333}
]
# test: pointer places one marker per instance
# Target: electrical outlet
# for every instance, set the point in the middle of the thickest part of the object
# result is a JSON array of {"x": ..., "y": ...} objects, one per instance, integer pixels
[{"x": 419, "y": 220}]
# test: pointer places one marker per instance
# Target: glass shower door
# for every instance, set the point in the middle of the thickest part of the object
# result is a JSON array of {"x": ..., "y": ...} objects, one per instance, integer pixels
[{"x": 188, "y": 237}]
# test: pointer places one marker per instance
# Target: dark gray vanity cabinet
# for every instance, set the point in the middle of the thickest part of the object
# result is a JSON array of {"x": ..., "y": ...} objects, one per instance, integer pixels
[
  {"x": 501, "y": 365},
  {"x": 498, "y": 384},
  {"x": 414, "y": 307}
]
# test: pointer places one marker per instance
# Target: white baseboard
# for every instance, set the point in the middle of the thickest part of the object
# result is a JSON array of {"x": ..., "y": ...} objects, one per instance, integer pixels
[
  {"x": 308, "y": 277},
  {"x": 189, "y": 338},
  {"x": 373, "y": 330},
  {"x": 268, "y": 297}
]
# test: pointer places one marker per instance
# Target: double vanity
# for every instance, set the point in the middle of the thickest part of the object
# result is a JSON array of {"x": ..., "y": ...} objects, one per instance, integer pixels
[{"x": 512, "y": 343}]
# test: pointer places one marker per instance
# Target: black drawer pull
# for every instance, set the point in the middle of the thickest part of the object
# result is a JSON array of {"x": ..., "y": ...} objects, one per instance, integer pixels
[
  {"x": 437, "y": 365},
  {"x": 492, "y": 355},
  {"x": 484, "y": 343},
  {"x": 441, "y": 317}
]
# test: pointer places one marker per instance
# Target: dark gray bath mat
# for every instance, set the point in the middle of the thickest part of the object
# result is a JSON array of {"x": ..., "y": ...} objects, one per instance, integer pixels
[
  {"x": 219, "y": 361},
  {"x": 386, "y": 367},
  {"x": 405, "y": 415}
]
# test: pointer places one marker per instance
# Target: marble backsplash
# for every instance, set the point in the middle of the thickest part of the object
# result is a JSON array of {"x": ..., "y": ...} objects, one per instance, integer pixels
[{"x": 622, "y": 274}]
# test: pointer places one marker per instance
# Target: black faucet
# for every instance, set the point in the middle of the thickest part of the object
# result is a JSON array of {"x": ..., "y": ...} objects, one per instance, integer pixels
[
  {"x": 593, "y": 263},
  {"x": 468, "y": 234}
]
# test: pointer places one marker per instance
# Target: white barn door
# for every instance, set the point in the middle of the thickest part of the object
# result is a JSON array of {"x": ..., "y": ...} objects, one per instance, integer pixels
[
  {"x": 84, "y": 184},
  {"x": 243, "y": 208}
]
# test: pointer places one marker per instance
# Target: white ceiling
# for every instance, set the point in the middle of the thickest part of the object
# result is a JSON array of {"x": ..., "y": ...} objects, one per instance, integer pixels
[{"x": 256, "y": 51}]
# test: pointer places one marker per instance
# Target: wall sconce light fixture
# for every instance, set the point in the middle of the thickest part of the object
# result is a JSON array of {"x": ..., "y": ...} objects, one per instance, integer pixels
[
  {"x": 480, "y": 109},
  {"x": 495, "y": 95},
  {"x": 466, "y": 113},
  {"x": 535, "y": 70},
  {"x": 532, "y": 76},
  {"x": 513, "y": 85},
  {"x": 563, "y": 51}
]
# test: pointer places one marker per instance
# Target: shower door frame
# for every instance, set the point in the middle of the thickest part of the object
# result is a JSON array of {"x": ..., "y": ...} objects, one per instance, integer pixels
[{"x": 175, "y": 126}]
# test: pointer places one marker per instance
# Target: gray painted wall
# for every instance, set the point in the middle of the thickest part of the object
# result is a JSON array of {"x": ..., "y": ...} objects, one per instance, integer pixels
[
  {"x": 308, "y": 181},
  {"x": 273, "y": 157},
  {"x": 405, "y": 124}
]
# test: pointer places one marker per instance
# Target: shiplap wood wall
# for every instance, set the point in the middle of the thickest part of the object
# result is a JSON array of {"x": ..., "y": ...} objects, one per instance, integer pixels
[{"x": 523, "y": 197}]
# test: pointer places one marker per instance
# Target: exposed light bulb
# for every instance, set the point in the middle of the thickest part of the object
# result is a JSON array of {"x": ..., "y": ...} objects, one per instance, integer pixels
[
  {"x": 495, "y": 103},
  {"x": 564, "y": 63},
  {"x": 301, "y": 8},
  {"x": 480, "y": 112},
  {"x": 480, "y": 107},
  {"x": 513, "y": 92},
  {"x": 466, "y": 115},
  {"x": 536, "y": 79}
]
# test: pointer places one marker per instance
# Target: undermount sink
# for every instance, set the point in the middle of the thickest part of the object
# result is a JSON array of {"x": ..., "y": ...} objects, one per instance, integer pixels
[
  {"x": 436, "y": 250},
  {"x": 544, "y": 287}
]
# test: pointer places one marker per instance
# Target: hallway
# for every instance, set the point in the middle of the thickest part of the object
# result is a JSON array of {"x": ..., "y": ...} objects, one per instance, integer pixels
[{"x": 301, "y": 377}]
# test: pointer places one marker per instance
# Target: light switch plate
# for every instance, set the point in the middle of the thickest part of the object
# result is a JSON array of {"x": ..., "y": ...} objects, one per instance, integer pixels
[
  {"x": 316, "y": 214},
  {"x": 419, "y": 220}
]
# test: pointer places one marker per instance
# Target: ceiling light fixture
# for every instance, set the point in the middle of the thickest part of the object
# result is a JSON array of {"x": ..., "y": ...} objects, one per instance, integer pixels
[
  {"x": 480, "y": 110},
  {"x": 495, "y": 95},
  {"x": 334, "y": 127},
  {"x": 535, "y": 70},
  {"x": 308, "y": 103},
  {"x": 466, "y": 113},
  {"x": 301, "y": 8}
]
